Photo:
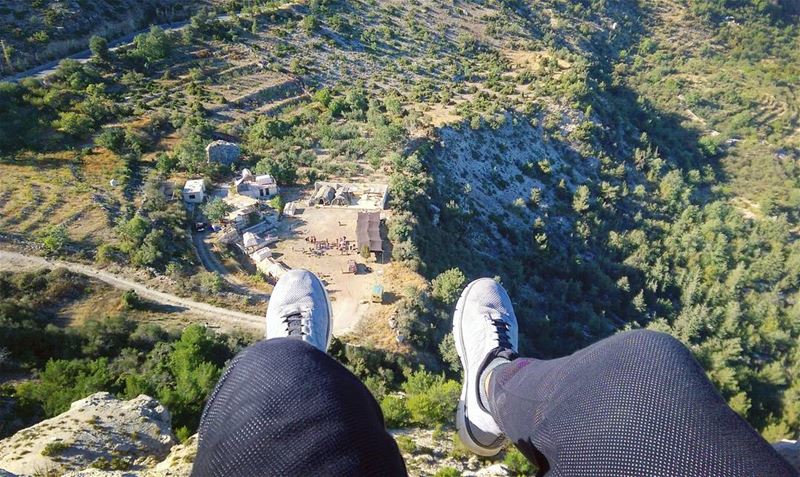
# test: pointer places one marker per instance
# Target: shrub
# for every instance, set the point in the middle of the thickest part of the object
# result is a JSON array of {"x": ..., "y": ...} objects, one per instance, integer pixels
[
  {"x": 116, "y": 463},
  {"x": 447, "y": 472},
  {"x": 54, "y": 448},
  {"x": 517, "y": 463},
  {"x": 459, "y": 450},
  {"x": 406, "y": 444},
  {"x": 130, "y": 300},
  {"x": 73, "y": 124},
  {"x": 210, "y": 282},
  {"x": 112, "y": 138},
  {"x": 54, "y": 238},
  {"x": 323, "y": 96},
  {"x": 430, "y": 399},
  {"x": 394, "y": 411},
  {"x": 152, "y": 46},
  {"x": 183, "y": 433},
  {"x": 310, "y": 23},
  {"x": 447, "y": 285},
  {"x": 99, "y": 47}
]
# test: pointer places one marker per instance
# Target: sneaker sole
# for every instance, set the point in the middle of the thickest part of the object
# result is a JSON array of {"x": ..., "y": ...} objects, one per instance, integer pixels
[
  {"x": 330, "y": 312},
  {"x": 461, "y": 413}
]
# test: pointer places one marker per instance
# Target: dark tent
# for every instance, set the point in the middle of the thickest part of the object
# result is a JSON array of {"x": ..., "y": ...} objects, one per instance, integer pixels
[{"x": 368, "y": 231}]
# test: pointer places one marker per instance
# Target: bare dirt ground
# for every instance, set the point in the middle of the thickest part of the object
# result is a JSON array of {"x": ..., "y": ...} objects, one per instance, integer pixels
[{"x": 350, "y": 293}]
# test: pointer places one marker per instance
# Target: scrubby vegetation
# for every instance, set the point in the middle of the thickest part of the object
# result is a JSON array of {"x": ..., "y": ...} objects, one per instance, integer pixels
[
  {"x": 614, "y": 164},
  {"x": 630, "y": 221},
  {"x": 112, "y": 353}
]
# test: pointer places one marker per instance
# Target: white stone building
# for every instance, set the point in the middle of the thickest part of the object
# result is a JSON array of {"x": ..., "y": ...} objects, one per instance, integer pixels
[
  {"x": 257, "y": 187},
  {"x": 194, "y": 191}
]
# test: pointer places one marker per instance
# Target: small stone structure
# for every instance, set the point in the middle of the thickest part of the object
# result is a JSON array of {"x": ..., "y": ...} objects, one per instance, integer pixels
[
  {"x": 223, "y": 152},
  {"x": 258, "y": 187},
  {"x": 194, "y": 191}
]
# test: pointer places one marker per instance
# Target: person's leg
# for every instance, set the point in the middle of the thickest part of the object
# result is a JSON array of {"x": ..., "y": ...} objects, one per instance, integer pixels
[
  {"x": 285, "y": 408},
  {"x": 634, "y": 404}
]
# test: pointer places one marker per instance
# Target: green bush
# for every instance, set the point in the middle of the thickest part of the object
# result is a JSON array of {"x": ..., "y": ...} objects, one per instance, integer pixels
[
  {"x": 406, "y": 444},
  {"x": 394, "y": 411},
  {"x": 518, "y": 464},
  {"x": 216, "y": 209},
  {"x": 152, "y": 46},
  {"x": 431, "y": 399},
  {"x": 73, "y": 124},
  {"x": 130, "y": 300},
  {"x": 99, "y": 47},
  {"x": 447, "y": 285},
  {"x": 54, "y": 238},
  {"x": 54, "y": 448},
  {"x": 447, "y": 472}
]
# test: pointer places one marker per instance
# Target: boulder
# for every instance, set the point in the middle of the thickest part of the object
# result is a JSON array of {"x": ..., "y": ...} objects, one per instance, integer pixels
[{"x": 223, "y": 152}]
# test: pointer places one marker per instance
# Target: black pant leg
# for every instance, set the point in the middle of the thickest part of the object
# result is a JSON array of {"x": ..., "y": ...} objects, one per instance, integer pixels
[
  {"x": 284, "y": 408},
  {"x": 635, "y": 404}
]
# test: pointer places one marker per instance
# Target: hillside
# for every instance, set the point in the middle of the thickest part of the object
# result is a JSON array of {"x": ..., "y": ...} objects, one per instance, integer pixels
[
  {"x": 615, "y": 165},
  {"x": 42, "y": 30}
]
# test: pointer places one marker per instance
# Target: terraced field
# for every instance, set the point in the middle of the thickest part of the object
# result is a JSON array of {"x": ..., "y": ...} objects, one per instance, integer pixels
[{"x": 60, "y": 189}]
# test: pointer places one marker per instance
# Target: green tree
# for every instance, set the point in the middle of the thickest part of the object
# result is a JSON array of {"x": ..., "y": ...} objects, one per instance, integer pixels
[
  {"x": 130, "y": 300},
  {"x": 282, "y": 168},
  {"x": 395, "y": 411},
  {"x": 73, "y": 123},
  {"x": 195, "y": 372},
  {"x": 430, "y": 399},
  {"x": 133, "y": 232},
  {"x": 323, "y": 96},
  {"x": 447, "y": 285},
  {"x": 580, "y": 201},
  {"x": 216, "y": 209},
  {"x": 278, "y": 203},
  {"x": 310, "y": 23},
  {"x": 152, "y": 46},
  {"x": 99, "y": 47}
]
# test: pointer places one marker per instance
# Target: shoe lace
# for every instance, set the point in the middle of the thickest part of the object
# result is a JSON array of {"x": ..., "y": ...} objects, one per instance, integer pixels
[
  {"x": 501, "y": 329},
  {"x": 296, "y": 321}
]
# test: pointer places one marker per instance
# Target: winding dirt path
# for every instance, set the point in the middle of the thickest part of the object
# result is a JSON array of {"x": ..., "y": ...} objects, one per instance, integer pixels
[{"x": 17, "y": 261}]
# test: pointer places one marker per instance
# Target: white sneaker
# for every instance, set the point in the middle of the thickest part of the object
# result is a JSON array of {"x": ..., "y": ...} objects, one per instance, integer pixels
[
  {"x": 300, "y": 308},
  {"x": 484, "y": 324}
]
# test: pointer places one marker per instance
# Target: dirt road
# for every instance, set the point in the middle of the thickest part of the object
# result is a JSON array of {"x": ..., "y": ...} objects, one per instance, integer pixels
[{"x": 17, "y": 261}]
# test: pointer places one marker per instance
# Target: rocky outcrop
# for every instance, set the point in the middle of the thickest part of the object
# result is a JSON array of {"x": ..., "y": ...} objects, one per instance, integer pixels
[
  {"x": 100, "y": 431},
  {"x": 223, "y": 152},
  {"x": 426, "y": 452}
]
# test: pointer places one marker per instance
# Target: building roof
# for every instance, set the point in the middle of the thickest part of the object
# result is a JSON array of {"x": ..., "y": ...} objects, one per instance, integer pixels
[
  {"x": 250, "y": 239},
  {"x": 265, "y": 179},
  {"x": 368, "y": 231},
  {"x": 261, "y": 255},
  {"x": 194, "y": 185}
]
